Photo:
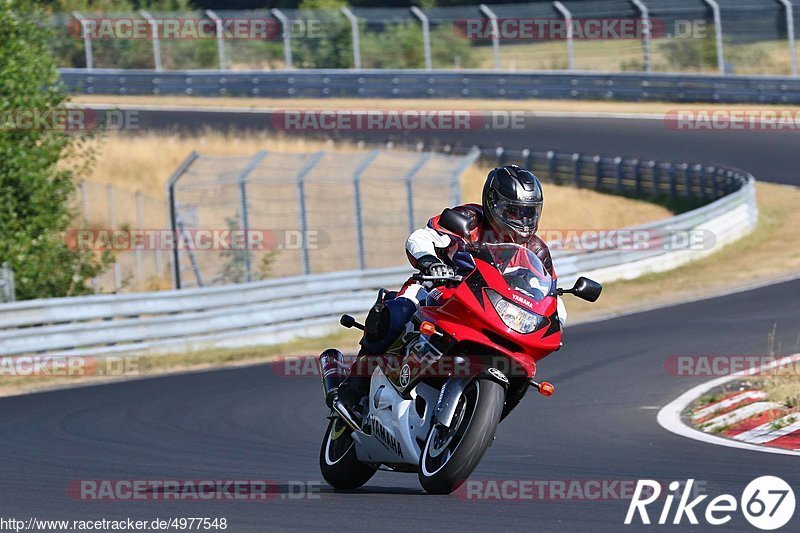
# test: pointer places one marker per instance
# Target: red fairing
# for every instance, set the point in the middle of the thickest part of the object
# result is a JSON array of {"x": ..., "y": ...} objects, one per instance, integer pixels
[{"x": 468, "y": 315}]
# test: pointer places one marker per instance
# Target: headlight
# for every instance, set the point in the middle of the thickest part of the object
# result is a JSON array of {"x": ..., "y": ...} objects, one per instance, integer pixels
[{"x": 512, "y": 315}]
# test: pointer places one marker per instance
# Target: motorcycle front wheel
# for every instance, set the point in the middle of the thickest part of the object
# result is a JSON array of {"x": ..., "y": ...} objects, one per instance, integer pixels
[
  {"x": 337, "y": 459},
  {"x": 451, "y": 454}
]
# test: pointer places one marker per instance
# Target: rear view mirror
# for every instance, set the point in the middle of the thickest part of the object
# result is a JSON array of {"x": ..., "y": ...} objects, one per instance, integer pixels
[
  {"x": 457, "y": 223},
  {"x": 585, "y": 289}
]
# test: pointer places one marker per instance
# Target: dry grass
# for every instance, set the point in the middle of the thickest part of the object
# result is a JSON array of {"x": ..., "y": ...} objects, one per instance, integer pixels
[
  {"x": 615, "y": 55},
  {"x": 145, "y": 162},
  {"x": 783, "y": 389},
  {"x": 570, "y": 106}
]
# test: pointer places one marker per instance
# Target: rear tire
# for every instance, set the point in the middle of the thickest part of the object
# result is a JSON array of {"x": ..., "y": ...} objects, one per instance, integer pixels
[
  {"x": 337, "y": 459},
  {"x": 451, "y": 454}
]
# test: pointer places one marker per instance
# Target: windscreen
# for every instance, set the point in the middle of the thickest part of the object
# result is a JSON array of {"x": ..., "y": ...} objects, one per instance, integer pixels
[{"x": 520, "y": 267}]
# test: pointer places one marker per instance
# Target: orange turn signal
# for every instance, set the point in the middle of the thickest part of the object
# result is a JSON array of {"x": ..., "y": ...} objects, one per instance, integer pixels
[
  {"x": 427, "y": 328},
  {"x": 546, "y": 388}
]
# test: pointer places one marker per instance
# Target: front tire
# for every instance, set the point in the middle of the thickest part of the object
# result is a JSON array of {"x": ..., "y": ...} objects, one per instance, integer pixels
[
  {"x": 338, "y": 462},
  {"x": 451, "y": 454}
]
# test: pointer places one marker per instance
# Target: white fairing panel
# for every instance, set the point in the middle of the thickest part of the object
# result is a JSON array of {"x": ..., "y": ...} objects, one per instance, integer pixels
[{"x": 397, "y": 429}]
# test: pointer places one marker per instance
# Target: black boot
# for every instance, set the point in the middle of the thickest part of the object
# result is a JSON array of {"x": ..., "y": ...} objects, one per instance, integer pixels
[{"x": 355, "y": 386}]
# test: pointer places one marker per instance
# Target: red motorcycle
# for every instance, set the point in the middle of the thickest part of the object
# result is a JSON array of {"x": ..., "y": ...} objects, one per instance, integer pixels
[{"x": 465, "y": 362}]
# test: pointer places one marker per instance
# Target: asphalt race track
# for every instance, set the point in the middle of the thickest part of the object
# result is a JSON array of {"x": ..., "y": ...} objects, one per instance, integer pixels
[{"x": 253, "y": 423}]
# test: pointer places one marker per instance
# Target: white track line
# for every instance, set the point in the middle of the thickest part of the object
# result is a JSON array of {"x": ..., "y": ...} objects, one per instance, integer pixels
[
  {"x": 670, "y": 415},
  {"x": 767, "y": 432},
  {"x": 724, "y": 404},
  {"x": 738, "y": 415}
]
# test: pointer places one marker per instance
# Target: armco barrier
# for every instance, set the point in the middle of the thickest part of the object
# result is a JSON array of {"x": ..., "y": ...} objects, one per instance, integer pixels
[
  {"x": 424, "y": 84},
  {"x": 276, "y": 310}
]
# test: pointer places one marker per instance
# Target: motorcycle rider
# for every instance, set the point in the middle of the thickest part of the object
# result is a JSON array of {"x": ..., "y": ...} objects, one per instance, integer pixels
[{"x": 510, "y": 210}]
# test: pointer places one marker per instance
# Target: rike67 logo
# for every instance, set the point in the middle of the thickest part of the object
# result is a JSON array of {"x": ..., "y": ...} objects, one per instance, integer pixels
[{"x": 767, "y": 503}]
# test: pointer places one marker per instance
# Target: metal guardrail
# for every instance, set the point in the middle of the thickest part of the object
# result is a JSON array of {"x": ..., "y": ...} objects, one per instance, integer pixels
[
  {"x": 276, "y": 310},
  {"x": 424, "y": 84}
]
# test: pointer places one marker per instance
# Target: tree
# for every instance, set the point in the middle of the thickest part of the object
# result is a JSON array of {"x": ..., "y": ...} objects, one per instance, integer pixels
[{"x": 38, "y": 163}]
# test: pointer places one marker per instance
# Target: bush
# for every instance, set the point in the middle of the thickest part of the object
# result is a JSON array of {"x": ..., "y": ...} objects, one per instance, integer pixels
[{"x": 37, "y": 166}]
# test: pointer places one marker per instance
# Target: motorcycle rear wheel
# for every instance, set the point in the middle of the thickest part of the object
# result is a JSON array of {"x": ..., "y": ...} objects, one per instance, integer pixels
[
  {"x": 451, "y": 454},
  {"x": 337, "y": 459}
]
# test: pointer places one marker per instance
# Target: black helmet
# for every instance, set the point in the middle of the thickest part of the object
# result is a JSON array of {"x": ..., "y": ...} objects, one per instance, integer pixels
[{"x": 512, "y": 202}]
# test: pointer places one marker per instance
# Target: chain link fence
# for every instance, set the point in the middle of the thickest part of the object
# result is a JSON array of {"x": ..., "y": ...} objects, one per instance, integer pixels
[
  {"x": 303, "y": 213},
  {"x": 105, "y": 209},
  {"x": 728, "y": 36}
]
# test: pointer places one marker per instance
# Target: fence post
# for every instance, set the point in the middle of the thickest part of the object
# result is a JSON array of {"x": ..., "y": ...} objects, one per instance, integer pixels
[
  {"x": 139, "y": 226},
  {"x": 656, "y": 178},
  {"x": 354, "y": 30},
  {"x": 192, "y": 258},
  {"x": 527, "y": 159},
  {"x": 718, "y": 31},
  {"x": 790, "y": 34},
  {"x": 495, "y": 33},
  {"x": 637, "y": 177},
  {"x": 598, "y": 172},
  {"x": 551, "y": 165},
  {"x": 409, "y": 179},
  {"x": 618, "y": 170},
  {"x": 703, "y": 183},
  {"x": 301, "y": 202},
  {"x": 244, "y": 218},
  {"x": 156, "y": 45},
  {"x": 646, "y": 33},
  {"x": 576, "y": 165},
  {"x": 568, "y": 21},
  {"x": 426, "y": 35},
  {"x": 112, "y": 222},
  {"x": 173, "y": 214},
  {"x": 688, "y": 174},
  {"x": 87, "y": 41},
  {"x": 501, "y": 156},
  {"x": 673, "y": 186},
  {"x": 359, "y": 171},
  {"x": 223, "y": 64},
  {"x": 287, "y": 36}
]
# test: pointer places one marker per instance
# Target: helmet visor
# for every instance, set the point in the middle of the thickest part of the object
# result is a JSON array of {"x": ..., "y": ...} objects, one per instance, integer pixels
[{"x": 516, "y": 214}]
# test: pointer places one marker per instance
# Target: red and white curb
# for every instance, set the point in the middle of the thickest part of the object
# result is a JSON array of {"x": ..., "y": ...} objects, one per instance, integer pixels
[{"x": 744, "y": 419}]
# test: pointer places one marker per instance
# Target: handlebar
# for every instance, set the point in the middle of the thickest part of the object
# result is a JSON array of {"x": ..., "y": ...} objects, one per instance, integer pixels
[{"x": 447, "y": 279}]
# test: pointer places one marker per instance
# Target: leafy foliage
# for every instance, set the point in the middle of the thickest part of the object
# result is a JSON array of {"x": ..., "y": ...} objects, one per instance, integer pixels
[{"x": 37, "y": 166}]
